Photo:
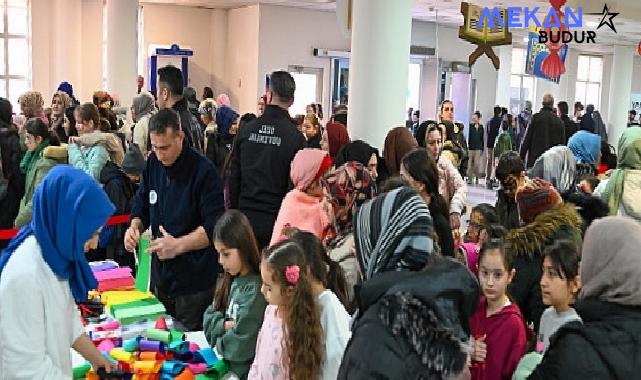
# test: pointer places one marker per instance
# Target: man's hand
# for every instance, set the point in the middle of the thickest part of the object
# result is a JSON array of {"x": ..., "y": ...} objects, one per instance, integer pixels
[
  {"x": 166, "y": 247},
  {"x": 132, "y": 235},
  {"x": 455, "y": 220}
]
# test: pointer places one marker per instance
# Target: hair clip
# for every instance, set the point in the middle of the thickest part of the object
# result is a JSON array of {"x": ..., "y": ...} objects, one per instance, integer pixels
[{"x": 292, "y": 273}]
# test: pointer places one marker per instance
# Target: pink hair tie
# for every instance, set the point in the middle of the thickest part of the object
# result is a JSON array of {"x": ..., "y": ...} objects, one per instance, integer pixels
[{"x": 292, "y": 273}]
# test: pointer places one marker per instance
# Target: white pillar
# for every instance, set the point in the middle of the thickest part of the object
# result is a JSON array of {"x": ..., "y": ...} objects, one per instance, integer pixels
[
  {"x": 620, "y": 89},
  {"x": 503, "y": 77},
  {"x": 381, "y": 33},
  {"x": 122, "y": 48}
]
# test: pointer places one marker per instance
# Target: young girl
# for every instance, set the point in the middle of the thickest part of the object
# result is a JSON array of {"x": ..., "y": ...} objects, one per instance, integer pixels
[
  {"x": 329, "y": 288},
  {"x": 305, "y": 206},
  {"x": 289, "y": 345},
  {"x": 482, "y": 216},
  {"x": 559, "y": 286},
  {"x": 232, "y": 322},
  {"x": 497, "y": 326}
]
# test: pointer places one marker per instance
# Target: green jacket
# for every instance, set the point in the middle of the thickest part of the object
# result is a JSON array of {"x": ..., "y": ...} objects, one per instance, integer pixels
[
  {"x": 247, "y": 308},
  {"x": 503, "y": 144},
  {"x": 51, "y": 156}
]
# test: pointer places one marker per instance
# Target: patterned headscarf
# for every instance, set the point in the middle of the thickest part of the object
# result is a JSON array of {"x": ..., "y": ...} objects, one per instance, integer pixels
[
  {"x": 535, "y": 197},
  {"x": 393, "y": 232},
  {"x": 557, "y": 166},
  {"x": 348, "y": 187}
]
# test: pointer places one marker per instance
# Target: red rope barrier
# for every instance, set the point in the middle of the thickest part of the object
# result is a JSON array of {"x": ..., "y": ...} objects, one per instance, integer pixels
[{"x": 114, "y": 220}]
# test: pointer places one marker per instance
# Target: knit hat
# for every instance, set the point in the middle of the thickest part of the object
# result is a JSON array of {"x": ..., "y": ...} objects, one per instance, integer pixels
[
  {"x": 307, "y": 166},
  {"x": 535, "y": 197},
  {"x": 66, "y": 87},
  {"x": 133, "y": 163}
]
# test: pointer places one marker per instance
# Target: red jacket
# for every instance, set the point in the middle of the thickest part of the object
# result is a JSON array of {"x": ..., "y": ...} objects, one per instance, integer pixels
[{"x": 505, "y": 338}]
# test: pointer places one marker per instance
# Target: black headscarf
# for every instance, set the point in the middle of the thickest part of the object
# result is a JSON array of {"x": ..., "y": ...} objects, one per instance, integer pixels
[{"x": 358, "y": 151}]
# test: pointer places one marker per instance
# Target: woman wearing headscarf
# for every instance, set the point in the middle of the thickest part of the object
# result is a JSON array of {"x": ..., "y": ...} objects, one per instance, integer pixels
[
  {"x": 607, "y": 344},
  {"x": 361, "y": 152},
  {"x": 413, "y": 325},
  {"x": 392, "y": 232},
  {"x": 220, "y": 141},
  {"x": 59, "y": 124},
  {"x": 546, "y": 218},
  {"x": 334, "y": 137},
  {"x": 142, "y": 108},
  {"x": 557, "y": 166},
  {"x": 622, "y": 191},
  {"x": 305, "y": 207},
  {"x": 46, "y": 261},
  {"x": 398, "y": 143},
  {"x": 348, "y": 187},
  {"x": 223, "y": 100},
  {"x": 586, "y": 148}
]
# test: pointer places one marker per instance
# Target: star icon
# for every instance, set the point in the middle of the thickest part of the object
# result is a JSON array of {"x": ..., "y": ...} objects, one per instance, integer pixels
[{"x": 607, "y": 18}]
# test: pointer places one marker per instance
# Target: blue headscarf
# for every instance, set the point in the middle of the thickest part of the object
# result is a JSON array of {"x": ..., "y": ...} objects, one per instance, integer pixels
[
  {"x": 585, "y": 147},
  {"x": 225, "y": 117},
  {"x": 68, "y": 208}
]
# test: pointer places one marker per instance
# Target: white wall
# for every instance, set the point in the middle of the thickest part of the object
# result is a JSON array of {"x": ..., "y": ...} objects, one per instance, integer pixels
[
  {"x": 218, "y": 50},
  {"x": 288, "y": 37},
  {"x": 241, "y": 58},
  {"x": 189, "y": 27}
]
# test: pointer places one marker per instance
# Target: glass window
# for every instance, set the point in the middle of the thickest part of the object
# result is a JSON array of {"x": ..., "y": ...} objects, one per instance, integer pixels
[
  {"x": 15, "y": 50},
  {"x": 306, "y": 92},
  {"x": 518, "y": 60},
  {"x": 522, "y": 86},
  {"x": 589, "y": 75}
]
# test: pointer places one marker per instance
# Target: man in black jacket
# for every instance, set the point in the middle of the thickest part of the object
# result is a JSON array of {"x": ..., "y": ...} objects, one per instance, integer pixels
[
  {"x": 492, "y": 131},
  {"x": 569, "y": 125},
  {"x": 180, "y": 198},
  {"x": 261, "y": 158},
  {"x": 170, "y": 95},
  {"x": 545, "y": 131},
  {"x": 587, "y": 122}
]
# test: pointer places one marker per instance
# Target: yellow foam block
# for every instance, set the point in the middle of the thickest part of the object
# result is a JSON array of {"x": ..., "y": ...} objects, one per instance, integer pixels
[
  {"x": 121, "y": 355},
  {"x": 117, "y": 297},
  {"x": 146, "y": 366}
]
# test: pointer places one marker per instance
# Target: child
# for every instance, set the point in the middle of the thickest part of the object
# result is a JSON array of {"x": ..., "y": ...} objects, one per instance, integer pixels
[
  {"x": 289, "y": 345},
  {"x": 559, "y": 286},
  {"x": 497, "y": 326},
  {"x": 305, "y": 206},
  {"x": 334, "y": 319},
  {"x": 231, "y": 324},
  {"x": 482, "y": 216},
  {"x": 504, "y": 140}
]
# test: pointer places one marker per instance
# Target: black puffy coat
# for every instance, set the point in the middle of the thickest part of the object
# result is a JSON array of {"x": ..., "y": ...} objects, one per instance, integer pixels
[
  {"x": 13, "y": 180},
  {"x": 606, "y": 346},
  {"x": 448, "y": 294}
]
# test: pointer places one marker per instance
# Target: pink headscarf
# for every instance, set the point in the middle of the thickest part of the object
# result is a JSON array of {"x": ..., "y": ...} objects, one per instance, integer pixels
[
  {"x": 223, "y": 100},
  {"x": 307, "y": 166}
]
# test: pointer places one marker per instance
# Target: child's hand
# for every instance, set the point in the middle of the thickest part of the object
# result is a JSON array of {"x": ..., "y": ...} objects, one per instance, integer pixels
[
  {"x": 479, "y": 350},
  {"x": 229, "y": 325}
]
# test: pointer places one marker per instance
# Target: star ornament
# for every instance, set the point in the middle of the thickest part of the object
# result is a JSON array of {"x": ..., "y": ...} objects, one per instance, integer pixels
[{"x": 606, "y": 18}]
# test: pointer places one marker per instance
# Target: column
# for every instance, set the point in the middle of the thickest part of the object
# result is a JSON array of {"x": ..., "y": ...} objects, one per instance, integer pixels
[
  {"x": 620, "y": 89},
  {"x": 381, "y": 33},
  {"x": 503, "y": 77},
  {"x": 122, "y": 49}
]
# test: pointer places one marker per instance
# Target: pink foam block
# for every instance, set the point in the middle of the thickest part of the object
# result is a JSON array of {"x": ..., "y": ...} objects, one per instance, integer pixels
[
  {"x": 197, "y": 368},
  {"x": 106, "y": 345}
]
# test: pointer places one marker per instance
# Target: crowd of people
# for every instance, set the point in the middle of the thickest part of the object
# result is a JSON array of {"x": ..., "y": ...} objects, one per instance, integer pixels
[{"x": 303, "y": 254}]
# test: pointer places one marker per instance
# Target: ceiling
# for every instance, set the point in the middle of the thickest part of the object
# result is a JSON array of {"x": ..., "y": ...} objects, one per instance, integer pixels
[{"x": 448, "y": 13}]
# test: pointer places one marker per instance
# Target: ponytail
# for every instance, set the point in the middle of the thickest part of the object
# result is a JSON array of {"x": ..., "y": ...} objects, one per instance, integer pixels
[
  {"x": 302, "y": 332},
  {"x": 324, "y": 269}
]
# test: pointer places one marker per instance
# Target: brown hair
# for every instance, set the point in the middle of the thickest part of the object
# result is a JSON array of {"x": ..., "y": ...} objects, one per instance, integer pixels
[
  {"x": 89, "y": 112},
  {"x": 235, "y": 232},
  {"x": 302, "y": 332},
  {"x": 314, "y": 120}
]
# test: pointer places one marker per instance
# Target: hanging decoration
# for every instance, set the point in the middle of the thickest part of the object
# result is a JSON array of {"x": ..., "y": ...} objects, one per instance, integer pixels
[
  {"x": 639, "y": 48},
  {"x": 553, "y": 66},
  {"x": 483, "y": 36},
  {"x": 536, "y": 55}
]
